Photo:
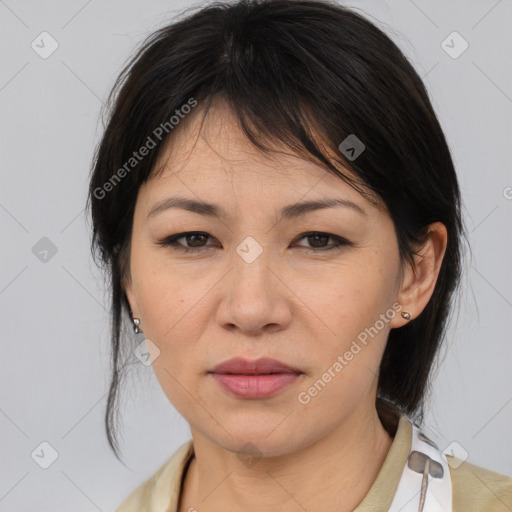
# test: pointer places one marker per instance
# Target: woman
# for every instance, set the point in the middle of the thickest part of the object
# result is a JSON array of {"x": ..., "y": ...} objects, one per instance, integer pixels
[{"x": 278, "y": 209}]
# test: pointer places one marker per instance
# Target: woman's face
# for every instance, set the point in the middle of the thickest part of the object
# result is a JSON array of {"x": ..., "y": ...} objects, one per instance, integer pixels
[{"x": 259, "y": 287}]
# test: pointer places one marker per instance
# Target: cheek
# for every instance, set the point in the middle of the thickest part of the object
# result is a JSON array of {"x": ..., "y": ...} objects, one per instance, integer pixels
[
  {"x": 355, "y": 296},
  {"x": 356, "y": 305},
  {"x": 167, "y": 299}
]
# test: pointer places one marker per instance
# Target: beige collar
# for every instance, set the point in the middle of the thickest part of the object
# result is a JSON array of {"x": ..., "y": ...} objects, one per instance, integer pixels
[{"x": 168, "y": 479}]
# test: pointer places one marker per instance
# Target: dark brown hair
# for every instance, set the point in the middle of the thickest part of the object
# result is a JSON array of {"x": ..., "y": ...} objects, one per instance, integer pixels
[{"x": 291, "y": 70}]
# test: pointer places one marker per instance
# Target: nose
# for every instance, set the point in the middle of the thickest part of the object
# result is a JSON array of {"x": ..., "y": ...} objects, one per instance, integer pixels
[{"x": 255, "y": 297}]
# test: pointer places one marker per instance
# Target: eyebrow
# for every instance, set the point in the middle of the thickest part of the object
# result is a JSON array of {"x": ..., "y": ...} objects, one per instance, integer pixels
[{"x": 287, "y": 212}]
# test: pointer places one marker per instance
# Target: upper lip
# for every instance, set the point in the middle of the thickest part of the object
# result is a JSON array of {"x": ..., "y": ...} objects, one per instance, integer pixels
[{"x": 265, "y": 365}]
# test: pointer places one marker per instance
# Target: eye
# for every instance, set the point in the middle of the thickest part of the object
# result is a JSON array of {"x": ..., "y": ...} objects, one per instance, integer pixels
[
  {"x": 197, "y": 241},
  {"x": 195, "y": 237},
  {"x": 318, "y": 238}
]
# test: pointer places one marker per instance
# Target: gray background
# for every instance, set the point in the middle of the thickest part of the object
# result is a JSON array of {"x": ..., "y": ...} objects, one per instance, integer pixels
[{"x": 55, "y": 359}]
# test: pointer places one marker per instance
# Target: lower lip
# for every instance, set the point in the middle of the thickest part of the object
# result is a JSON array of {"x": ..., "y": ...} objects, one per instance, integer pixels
[{"x": 255, "y": 386}]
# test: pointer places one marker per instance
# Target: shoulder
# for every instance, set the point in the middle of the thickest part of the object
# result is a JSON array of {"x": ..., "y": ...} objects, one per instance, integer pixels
[
  {"x": 477, "y": 489},
  {"x": 161, "y": 491}
]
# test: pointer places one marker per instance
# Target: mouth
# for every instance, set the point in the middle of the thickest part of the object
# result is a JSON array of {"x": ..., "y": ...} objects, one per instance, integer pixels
[
  {"x": 263, "y": 366},
  {"x": 258, "y": 379}
]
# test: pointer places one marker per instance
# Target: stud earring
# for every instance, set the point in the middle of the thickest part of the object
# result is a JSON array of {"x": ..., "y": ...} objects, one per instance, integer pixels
[
  {"x": 136, "y": 323},
  {"x": 406, "y": 315}
]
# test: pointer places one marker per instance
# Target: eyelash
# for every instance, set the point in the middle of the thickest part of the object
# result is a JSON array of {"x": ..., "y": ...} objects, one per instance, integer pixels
[{"x": 171, "y": 241}]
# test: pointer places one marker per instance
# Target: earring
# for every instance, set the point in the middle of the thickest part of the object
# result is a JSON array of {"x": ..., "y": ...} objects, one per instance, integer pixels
[
  {"x": 406, "y": 315},
  {"x": 136, "y": 323}
]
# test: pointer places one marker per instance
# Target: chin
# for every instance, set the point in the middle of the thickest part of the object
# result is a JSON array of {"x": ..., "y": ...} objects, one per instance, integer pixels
[
  {"x": 260, "y": 438},
  {"x": 256, "y": 446}
]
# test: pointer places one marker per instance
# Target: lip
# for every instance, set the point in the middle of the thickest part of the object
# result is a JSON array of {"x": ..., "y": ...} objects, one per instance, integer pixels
[
  {"x": 264, "y": 365},
  {"x": 261, "y": 378}
]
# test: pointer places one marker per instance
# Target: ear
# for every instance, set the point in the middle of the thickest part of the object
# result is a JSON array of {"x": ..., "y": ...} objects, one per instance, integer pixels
[{"x": 419, "y": 279}]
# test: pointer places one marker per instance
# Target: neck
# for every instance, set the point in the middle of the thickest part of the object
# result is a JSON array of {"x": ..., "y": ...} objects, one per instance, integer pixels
[{"x": 340, "y": 468}]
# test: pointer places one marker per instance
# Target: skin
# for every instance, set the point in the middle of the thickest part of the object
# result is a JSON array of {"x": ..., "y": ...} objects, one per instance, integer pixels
[{"x": 293, "y": 304}]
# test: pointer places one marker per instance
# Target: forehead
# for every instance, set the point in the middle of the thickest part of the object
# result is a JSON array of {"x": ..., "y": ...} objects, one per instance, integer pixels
[{"x": 213, "y": 153}]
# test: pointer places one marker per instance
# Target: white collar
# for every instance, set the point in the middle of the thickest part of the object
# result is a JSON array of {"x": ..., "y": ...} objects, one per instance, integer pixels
[{"x": 436, "y": 491}]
